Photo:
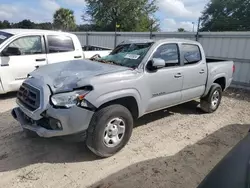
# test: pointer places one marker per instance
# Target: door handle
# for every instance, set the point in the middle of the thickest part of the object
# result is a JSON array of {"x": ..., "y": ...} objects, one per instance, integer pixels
[
  {"x": 42, "y": 59},
  {"x": 202, "y": 71},
  {"x": 178, "y": 75},
  {"x": 77, "y": 57},
  {"x": 4, "y": 65}
]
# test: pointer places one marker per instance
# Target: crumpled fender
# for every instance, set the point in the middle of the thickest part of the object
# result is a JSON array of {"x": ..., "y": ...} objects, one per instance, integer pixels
[{"x": 107, "y": 97}]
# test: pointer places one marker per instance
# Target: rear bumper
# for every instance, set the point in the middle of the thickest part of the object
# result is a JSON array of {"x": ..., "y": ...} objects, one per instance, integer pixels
[{"x": 71, "y": 121}]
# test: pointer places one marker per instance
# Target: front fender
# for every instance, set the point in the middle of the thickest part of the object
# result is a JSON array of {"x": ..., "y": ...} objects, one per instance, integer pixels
[{"x": 107, "y": 97}]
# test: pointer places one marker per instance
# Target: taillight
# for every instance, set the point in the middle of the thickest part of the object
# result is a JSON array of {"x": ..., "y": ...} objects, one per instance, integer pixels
[{"x": 233, "y": 68}]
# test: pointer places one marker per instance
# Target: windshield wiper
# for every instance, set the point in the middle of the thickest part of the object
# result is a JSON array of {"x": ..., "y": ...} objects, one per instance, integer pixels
[
  {"x": 115, "y": 63},
  {"x": 100, "y": 60},
  {"x": 107, "y": 61}
]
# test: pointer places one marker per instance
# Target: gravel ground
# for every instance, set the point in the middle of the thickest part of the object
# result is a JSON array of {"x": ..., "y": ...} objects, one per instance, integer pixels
[
  {"x": 7, "y": 102},
  {"x": 174, "y": 148}
]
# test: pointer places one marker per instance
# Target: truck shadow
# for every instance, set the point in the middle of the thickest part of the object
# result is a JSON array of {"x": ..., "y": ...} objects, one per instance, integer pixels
[
  {"x": 186, "y": 108},
  {"x": 185, "y": 169},
  {"x": 17, "y": 151},
  {"x": 8, "y": 96}
]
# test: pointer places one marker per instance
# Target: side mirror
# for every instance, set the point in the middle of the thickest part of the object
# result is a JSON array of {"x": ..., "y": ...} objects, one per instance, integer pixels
[
  {"x": 11, "y": 51},
  {"x": 158, "y": 63}
]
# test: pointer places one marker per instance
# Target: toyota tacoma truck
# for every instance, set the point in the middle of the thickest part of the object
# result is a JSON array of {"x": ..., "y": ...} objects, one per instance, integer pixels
[{"x": 99, "y": 99}]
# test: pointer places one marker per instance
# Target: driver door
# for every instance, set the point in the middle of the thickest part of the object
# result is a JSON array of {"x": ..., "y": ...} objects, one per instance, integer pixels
[
  {"x": 165, "y": 84},
  {"x": 19, "y": 58}
]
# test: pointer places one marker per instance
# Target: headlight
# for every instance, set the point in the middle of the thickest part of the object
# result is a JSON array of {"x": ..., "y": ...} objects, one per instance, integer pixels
[{"x": 69, "y": 99}]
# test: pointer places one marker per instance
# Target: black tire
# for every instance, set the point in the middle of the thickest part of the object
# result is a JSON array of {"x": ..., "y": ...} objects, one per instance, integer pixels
[
  {"x": 207, "y": 102},
  {"x": 30, "y": 134},
  {"x": 95, "y": 135}
]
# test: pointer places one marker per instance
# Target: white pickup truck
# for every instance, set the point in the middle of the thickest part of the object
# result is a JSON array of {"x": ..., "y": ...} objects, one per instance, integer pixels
[
  {"x": 90, "y": 51},
  {"x": 24, "y": 50}
]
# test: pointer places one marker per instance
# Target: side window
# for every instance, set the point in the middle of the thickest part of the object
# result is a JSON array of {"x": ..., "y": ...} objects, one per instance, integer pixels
[
  {"x": 27, "y": 45},
  {"x": 191, "y": 54},
  {"x": 59, "y": 44},
  {"x": 169, "y": 53}
]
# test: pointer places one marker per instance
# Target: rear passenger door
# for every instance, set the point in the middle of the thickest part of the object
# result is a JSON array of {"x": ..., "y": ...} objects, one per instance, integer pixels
[
  {"x": 61, "y": 48},
  {"x": 194, "y": 70}
]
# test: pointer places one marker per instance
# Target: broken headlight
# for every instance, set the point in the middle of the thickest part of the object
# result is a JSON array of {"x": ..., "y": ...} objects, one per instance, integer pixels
[{"x": 70, "y": 99}]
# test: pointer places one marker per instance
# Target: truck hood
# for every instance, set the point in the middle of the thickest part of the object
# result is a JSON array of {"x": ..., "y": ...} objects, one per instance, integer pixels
[{"x": 66, "y": 76}]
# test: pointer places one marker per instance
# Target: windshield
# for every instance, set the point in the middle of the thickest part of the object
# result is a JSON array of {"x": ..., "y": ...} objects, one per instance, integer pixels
[
  {"x": 128, "y": 55},
  {"x": 4, "y": 36}
]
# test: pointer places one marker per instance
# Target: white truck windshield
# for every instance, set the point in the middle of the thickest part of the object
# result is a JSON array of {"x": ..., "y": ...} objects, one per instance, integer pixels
[{"x": 4, "y": 36}]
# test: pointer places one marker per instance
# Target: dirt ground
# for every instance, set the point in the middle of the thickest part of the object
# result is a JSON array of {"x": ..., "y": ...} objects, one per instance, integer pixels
[{"x": 174, "y": 148}]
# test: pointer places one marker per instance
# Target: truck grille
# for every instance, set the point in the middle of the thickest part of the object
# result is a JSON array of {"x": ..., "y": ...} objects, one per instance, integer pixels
[{"x": 29, "y": 97}]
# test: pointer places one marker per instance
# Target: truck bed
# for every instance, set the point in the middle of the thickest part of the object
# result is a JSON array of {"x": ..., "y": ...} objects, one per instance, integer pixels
[{"x": 219, "y": 68}]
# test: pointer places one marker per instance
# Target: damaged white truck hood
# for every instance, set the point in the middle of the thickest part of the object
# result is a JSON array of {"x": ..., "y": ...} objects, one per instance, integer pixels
[{"x": 66, "y": 76}]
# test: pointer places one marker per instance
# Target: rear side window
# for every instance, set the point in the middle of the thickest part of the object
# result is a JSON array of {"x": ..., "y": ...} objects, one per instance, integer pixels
[
  {"x": 191, "y": 54},
  {"x": 57, "y": 44}
]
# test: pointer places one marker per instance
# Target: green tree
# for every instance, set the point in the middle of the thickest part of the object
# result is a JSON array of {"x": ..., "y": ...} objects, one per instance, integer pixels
[
  {"x": 130, "y": 15},
  {"x": 181, "y": 30},
  {"x": 44, "y": 25},
  {"x": 226, "y": 15},
  {"x": 5, "y": 24},
  {"x": 25, "y": 24},
  {"x": 87, "y": 27},
  {"x": 64, "y": 19}
]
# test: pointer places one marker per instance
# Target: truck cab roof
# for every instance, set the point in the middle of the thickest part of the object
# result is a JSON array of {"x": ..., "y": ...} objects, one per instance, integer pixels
[
  {"x": 32, "y": 31},
  {"x": 174, "y": 40}
]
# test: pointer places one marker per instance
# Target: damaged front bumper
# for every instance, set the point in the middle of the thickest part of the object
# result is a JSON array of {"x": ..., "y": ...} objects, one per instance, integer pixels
[{"x": 55, "y": 122}]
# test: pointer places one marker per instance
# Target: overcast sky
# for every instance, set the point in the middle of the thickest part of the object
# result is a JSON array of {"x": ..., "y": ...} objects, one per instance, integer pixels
[{"x": 172, "y": 14}]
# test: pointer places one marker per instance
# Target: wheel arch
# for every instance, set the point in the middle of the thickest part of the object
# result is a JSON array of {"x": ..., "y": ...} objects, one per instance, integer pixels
[
  {"x": 219, "y": 79},
  {"x": 222, "y": 82},
  {"x": 128, "y": 98}
]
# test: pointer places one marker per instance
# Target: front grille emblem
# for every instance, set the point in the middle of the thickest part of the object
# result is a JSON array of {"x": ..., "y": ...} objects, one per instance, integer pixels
[
  {"x": 29, "y": 97},
  {"x": 25, "y": 94}
]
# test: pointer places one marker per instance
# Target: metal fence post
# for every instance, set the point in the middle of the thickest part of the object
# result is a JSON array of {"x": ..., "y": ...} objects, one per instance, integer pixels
[
  {"x": 151, "y": 31},
  {"x": 115, "y": 40},
  {"x": 197, "y": 34},
  {"x": 87, "y": 38}
]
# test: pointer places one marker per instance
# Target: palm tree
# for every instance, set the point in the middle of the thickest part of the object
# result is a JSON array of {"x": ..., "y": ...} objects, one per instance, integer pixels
[
  {"x": 64, "y": 19},
  {"x": 181, "y": 30}
]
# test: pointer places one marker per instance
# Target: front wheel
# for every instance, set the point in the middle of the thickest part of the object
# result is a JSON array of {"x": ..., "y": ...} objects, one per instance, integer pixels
[
  {"x": 211, "y": 102},
  {"x": 109, "y": 131}
]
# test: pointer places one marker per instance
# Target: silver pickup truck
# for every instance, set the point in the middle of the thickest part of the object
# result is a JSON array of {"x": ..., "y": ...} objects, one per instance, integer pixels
[{"x": 99, "y": 99}]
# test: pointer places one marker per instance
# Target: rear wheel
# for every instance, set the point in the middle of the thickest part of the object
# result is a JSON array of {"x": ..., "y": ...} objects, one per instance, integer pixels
[
  {"x": 211, "y": 102},
  {"x": 110, "y": 130}
]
